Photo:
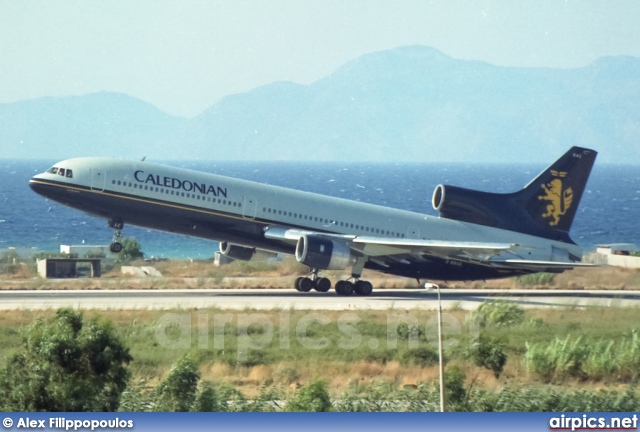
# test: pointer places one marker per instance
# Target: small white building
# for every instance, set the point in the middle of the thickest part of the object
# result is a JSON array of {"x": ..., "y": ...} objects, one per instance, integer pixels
[{"x": 618, "y": 254}]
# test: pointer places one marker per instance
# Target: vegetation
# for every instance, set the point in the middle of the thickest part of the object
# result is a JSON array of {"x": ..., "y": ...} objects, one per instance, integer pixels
[
  {"x": 498, "y": 313},
  {"x": 576, "y": 357},
  {"x": 66, "y": 365},
  {"x": 535, "y": 279},
  {"x": 318, "y": 361},
  {"x": 314, "y": 397},
  {"x": 131, "y": 250},
  {"x": 488, "y": 353},
  {"x": 178, "y": 391}
]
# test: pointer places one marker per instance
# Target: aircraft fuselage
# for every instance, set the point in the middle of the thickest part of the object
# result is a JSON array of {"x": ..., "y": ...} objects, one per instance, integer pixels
[{"x": 237, "y": 211}]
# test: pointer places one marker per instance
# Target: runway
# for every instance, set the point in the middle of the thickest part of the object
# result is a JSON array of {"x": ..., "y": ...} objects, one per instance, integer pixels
[{"x": 267, "y": 299}]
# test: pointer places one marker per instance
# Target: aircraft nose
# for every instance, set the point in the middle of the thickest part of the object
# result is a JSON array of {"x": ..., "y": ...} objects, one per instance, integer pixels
[{"x": 36, "y": 185}]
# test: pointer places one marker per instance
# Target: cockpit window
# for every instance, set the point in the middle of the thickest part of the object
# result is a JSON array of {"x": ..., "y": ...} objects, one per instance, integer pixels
[{"x": 61, "y": 172}]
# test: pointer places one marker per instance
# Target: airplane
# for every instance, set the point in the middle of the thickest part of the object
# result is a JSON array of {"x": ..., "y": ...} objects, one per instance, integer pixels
[{"x": 477, "y": 236}]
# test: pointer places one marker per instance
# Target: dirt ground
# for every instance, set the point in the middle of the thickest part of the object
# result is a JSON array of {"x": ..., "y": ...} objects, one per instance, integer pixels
[{"x": 203, "y": 274}]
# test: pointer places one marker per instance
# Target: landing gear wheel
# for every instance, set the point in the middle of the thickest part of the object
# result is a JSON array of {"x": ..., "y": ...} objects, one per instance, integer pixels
[
  {"x": 323, "y": 285},
  {"x": 363, "y": 288},
  {"x": 117, "y": 225},
  {"x": 304, "y": 284},
  {"x": 344, "y": 288},
  {"x": 296, "y": 284}
]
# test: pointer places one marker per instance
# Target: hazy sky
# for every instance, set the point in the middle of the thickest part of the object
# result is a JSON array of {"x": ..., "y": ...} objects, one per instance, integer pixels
[{"x": 185, "y": 55}]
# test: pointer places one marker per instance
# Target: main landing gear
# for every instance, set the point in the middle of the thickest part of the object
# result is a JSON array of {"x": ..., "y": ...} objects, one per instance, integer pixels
[
  {"x": 117, "y": 226},
  {"x": 343, "y": 287},
  {"x": 312, "y": 281},
  {"x": 358, "y": 287}
]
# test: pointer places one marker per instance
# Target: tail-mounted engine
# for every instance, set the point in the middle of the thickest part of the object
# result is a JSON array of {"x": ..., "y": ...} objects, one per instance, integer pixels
[
  {"x": 323, "y": 253},
  {"x": 504, "y": 211},
  {"x": 468, "y": 205},
  {"x": 545, "y": 207},
  {"x": 244, "y": 253}
]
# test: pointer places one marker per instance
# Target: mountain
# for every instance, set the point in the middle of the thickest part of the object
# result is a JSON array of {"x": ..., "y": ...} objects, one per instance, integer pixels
[
  {"x": 406, "y": 104},
  {"x": 100, "y": 124}
]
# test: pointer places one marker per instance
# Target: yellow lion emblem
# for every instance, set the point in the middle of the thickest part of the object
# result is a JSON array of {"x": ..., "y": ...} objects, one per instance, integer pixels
[{"x": 559, "y": 199}]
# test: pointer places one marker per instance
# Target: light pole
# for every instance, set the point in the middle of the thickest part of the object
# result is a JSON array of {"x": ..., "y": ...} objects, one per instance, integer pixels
[{"x": 440, "y": 355}]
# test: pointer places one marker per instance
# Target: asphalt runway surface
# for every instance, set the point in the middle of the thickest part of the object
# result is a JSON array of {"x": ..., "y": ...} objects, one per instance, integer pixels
[{"x": 267, "y": 299}]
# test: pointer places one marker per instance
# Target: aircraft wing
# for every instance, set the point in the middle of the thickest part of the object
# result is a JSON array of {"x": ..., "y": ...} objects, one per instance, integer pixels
[{"x": 381, "y": 249}]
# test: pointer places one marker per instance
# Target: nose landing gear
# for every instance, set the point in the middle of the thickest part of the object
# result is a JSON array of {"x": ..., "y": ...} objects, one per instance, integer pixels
[{"x": 117, "y": 225}]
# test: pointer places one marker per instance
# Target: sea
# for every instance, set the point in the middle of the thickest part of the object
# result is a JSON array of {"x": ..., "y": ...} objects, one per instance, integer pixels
[{"x": 609, "y": 211}]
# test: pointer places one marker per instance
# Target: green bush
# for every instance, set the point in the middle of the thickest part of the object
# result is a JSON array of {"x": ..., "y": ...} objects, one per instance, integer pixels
[
  {"x": 66, "y": 364},
  {"x": 131, "y": 250},
  {"x": 455, "y": 393},
  {"x": 488, "y": 353},
  {"x": 206, "y": 399},
  {"x": 178, "y": 391},
  {"x": 499, "y": 313},
  {"x": 409, "y": 332},
  {"x": 422, "y": 356},
  {"x": 313, "y": 397}
]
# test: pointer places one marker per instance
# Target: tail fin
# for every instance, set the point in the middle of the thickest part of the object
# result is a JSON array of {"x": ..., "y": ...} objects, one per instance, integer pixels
[
  {"x": 552, "y": 198},
  {"x": 544, "y": 208}
]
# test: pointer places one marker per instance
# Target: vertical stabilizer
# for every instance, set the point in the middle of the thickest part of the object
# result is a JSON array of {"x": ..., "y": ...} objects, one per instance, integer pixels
[
  {"x": 552, "y": 198},
  {"x": 544, "y": 208}
]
